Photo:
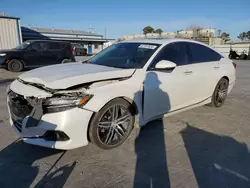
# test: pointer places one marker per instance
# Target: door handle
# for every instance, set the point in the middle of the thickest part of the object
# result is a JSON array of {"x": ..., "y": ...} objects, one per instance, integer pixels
[
  {"x": 216, "y": 65},
  {"x": 188, "y": 72}
]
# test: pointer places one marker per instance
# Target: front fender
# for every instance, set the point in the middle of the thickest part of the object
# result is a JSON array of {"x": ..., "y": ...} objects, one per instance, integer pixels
[{"x": 130, "y": 89}]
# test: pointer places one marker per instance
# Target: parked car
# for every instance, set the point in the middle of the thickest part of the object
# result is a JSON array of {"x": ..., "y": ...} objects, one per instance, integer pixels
[
  {"x": 234, "y": 55},
  {"x": 127, "y": 83},
  {"x": 35, "y": 53},
  {"x": 78, "y": 49}
]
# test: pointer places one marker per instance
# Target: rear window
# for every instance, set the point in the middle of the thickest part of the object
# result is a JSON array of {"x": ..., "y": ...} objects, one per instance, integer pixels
[{"x": 200, "y": 53}]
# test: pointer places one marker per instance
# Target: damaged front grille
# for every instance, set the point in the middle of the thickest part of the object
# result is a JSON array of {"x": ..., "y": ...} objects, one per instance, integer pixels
[{"x": 19, "y": 109}]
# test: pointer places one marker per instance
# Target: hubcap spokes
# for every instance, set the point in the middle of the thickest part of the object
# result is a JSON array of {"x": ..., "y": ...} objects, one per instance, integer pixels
[
  {"x": 114, "y": 125},
  {"x": 15, "y": 66},
  {"x": 221, "y": 93}
]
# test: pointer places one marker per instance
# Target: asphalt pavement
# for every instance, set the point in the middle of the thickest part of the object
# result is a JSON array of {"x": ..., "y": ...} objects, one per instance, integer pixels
[{"x": 202, "y": 147}]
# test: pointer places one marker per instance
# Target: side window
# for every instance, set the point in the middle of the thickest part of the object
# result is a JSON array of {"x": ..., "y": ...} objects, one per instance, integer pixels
[
  {"x": 175, "y": 52},
  {"x": 44, "y": 45},
  {"x": 37, "y": 46},
  {"x": 54, "y": 46},
  {"x": 200, "y": 53}
]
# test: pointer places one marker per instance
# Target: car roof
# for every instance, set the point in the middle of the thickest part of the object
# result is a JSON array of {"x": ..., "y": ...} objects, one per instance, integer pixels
[
  {"x": 46, "y": 41},
  {"x": 163, "y": 41}
]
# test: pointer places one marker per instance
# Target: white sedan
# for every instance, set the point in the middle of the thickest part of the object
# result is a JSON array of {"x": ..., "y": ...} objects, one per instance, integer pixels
[{"x": 66, "y": 106}]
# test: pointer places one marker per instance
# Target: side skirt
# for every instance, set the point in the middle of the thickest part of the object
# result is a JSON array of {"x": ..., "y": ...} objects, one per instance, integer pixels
[{"x": 206, "y": 101}]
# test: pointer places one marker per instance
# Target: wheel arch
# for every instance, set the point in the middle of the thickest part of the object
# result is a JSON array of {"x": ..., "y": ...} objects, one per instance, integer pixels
[
  {"x": 226, "y": 78},
  {"x": 17, "y": 58},
  {"x": 133, "y": 104}
]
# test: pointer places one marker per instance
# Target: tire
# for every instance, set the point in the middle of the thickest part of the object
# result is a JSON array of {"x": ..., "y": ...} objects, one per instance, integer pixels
[
  {"x": 106, "y": 135},
  {"x": 15, "y": 65},
  {"x": 220, "y": 93},
  {"x": 66, "y": 61},
  {"x": 245, "y": 57}
]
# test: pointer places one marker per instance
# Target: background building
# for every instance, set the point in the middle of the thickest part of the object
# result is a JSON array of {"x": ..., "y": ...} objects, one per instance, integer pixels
[
  {"x": 205, "y": 35},
  {"x": 93, "y": 42},
  {"x": 10, "y": 32}
]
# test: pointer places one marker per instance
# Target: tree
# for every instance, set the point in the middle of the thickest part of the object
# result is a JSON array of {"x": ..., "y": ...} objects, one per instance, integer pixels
[
  {"x": 242, "y": 36},
  {"x": 148, "y": 29},
  {"x": 159, "y": 30},
  {"x": 248, "y": 35},
  {"x": 225, "y": 36}
]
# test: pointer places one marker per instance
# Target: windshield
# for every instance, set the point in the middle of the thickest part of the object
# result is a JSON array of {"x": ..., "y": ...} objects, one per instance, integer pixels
[
  {"x": 125, "y": 55},
  {"x": 23, "y": 45}
]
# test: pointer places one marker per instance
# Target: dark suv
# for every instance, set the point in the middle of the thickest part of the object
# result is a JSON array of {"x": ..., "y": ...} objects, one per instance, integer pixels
[{"x": 36, "y": 53}]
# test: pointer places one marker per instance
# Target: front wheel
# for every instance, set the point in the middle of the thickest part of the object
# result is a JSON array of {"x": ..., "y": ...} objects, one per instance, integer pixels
[
  {"x": 15, "y": 65},
  {"x": 220, "y": 93},
  {"x": 66, "y": 61},
  {"x": 112, "y": 125}
]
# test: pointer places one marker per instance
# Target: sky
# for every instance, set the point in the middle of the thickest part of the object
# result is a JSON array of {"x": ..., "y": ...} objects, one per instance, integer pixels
[{"x": 120, "y": 17}]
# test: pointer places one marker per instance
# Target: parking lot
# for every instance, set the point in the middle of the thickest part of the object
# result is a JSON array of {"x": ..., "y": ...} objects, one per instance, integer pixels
[{"x": 203, "y": 147}]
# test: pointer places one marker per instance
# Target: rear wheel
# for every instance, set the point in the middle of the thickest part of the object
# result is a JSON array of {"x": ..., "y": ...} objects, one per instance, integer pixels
[
  {"x": 220, "y": 93},
  {"x": 112, "y": 125},
  {"x": 15, "y": 65},
  {"x": 66, "y": 61}
]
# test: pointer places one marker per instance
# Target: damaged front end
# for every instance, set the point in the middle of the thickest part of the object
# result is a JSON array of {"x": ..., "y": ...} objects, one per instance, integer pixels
[
  {"x": 28, "y": 110},
  {"x": 62, "y": 102},
  {"x": 28, "y": 102}
]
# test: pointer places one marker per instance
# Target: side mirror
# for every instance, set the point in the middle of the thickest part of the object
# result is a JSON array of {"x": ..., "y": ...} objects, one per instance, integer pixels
[{"x": 165, "y": 65}]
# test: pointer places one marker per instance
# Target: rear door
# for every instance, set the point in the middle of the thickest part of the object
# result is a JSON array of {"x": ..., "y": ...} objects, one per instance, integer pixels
[
  {"x": 53, "y": 53},
  {"x": 205, "y": 64}
]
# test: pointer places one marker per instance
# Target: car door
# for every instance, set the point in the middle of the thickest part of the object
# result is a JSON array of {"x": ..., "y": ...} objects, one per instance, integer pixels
[
  {"x": 53, "y": 53},
  {"x": 205, "y": 66},
  {"x": 33, "y": 56},
  {"x": 168, "y": 90}
]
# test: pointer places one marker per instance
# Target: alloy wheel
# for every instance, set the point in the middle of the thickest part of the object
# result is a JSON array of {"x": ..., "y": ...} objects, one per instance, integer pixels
[
  {"x": 15, "y": 66},
  {"x": 221, "y": 93},
  {"x": 114, "y": 125}
]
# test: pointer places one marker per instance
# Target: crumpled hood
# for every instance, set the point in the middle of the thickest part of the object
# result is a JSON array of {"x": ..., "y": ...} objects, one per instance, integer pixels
[{"x": 63, "y": 76}]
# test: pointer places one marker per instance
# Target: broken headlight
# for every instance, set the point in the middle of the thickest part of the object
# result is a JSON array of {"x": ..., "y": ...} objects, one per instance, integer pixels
[{"x": 62, "y": 103}]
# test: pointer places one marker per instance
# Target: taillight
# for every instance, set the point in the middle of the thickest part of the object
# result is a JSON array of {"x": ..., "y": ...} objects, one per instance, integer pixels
[
  {"x": 70, "y": 49},
  {"x": 234, "y": 64}
]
